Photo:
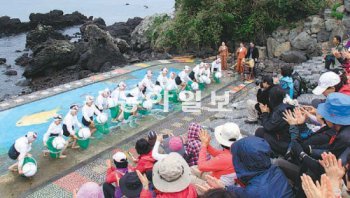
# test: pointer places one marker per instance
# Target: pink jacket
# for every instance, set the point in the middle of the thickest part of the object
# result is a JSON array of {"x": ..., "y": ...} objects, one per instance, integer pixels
[{"x": 220, "y": 163}]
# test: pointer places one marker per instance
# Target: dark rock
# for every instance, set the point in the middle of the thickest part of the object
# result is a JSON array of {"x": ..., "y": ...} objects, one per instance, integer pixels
[
  {"x": 84, "y": 74},
  {"x": 18, "y": 51},
  {"x": 41, "y": 34},
  {"x": 73, "y": 67},
  {"x": 53, "y": 54},
  {"x": 100, "y": 47},
  {"x": 293, "y": 57},
  {"x": 11, "y": 72},
  {"x": 106, "y": 67},
  {"x": 314, "y": 50},
  {"x": 123, "y": 30},
  {"x": 323, "y": 36},
  {"x": 23, "y": 82},
  {"x": 57, "y": 19},
  {"x": 12, "y": 26},
  {"x": 99, "y": 22},
  {"x": 303, "y": 41},
  {"x": 2, "y": 61},
  {"x": 23, "y": 60}
]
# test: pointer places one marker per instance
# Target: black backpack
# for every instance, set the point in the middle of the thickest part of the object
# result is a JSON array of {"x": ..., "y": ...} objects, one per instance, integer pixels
[{"x": 300, "y": 85}]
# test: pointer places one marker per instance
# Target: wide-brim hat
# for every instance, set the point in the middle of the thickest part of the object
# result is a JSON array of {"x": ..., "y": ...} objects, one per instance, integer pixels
[
  {"x": 336, "y": 109},
  {"x": 171, "y": 174},
  {"x": 130, "y": 185},
  {"x": 227, "y": 133}
]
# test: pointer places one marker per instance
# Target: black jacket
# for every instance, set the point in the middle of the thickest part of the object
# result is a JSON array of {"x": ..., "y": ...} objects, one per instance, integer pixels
[
  {"x": 274, "y": 123},
  {"x": 255, "y": 54}
]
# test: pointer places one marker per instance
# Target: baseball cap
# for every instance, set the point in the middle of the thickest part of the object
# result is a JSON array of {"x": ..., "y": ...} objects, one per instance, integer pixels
[
  {"x": 328, "y": 79},
  {"x": 119, "y": 157}
]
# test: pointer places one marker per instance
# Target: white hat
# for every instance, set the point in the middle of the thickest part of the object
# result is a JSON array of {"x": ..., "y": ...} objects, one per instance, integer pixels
[
  {"x": 31, "y": 136},
  {"x": 57, "y": 117},
  {"x": 119, "y": 156},
  {"x": 328, "y": 79},
  {"x": 89, "y": 99},
  {"x": 171, "y": 174},
  {"x": 187, "y": 68},
  {"x": 227, "y": 133}
]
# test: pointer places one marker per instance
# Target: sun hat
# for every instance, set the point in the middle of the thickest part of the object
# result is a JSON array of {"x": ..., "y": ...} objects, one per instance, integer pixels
[
  {"x": 171, "y": 174},
  {"x": 119, "y": 157},
  {"x": 336, "y": 109},
  {"x": 174, "y": 144},
  {"x": 90, "y": 190},
  {"x": 227, "y": 133},
  {"x": 328, "y": 79},
  {"x": 130, "y": 185}
]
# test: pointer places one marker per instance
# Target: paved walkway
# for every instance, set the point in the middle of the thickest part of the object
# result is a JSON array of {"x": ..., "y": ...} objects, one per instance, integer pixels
[{"x": 177, "y": 124}]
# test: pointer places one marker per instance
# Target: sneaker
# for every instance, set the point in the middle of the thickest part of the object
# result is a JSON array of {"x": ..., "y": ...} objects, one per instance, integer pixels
[{"x": 251, "y": 122}]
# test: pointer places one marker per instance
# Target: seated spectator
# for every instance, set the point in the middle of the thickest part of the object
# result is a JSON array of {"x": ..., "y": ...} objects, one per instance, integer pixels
[
  {"x": 171, "y": 144},
  {"x": 130, "y": 186},
  {"x": 260, "y": 178},
  {"x": 220, "y": 165},
  {"x": 328, "y": 83},
  {"x": 274, "y": 129},
  {"x": 113, "y": 173},
  {"x": 145, "y": 160},
  {"x": 286, "y": 82},
  {"x": 171, "y": 178},
  {"x": 152, "y": 137},
  {"x": 336, "y": 113},
  {"x": 193, "y": 143},
  {"x": 316, "y": 141},
  {"x": 330, "y": 57},
  {"x": 262, "y": 98},
  {"x": 89, "y": 190}
]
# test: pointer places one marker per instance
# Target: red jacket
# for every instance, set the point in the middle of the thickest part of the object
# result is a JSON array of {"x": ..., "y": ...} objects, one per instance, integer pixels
[
  {"x": 145, "y": 162},
  {"x": 189, "y": 192},
  {"x": 345, "y": 89},
  {"x": 110, "y": 177},
  {"x": 220, "y": 163}
]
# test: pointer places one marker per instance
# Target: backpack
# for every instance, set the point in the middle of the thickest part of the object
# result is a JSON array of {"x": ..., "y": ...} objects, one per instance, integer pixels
[{"x": 300, "y": 85}]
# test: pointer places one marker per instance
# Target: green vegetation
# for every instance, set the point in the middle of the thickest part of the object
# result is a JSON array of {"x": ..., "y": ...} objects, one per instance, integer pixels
[
  {"x": 205, "y": 23},
  {"x": 335, "y": 14}
]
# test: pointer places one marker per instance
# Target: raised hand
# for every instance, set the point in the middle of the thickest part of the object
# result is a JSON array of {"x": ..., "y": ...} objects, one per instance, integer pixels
[
  {"x": 214, "y": 183},
  {"x": 333, "y": 168},
  {"x": 143, "y": 179},
  {"x": 290, "y": 118}
]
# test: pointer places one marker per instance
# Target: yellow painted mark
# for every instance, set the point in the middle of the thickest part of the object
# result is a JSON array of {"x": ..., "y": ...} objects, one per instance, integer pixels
[
  {"x": 142, "y": 65},
  {"x": 37, "y": 118},
  {"x": 184, "y": 59}
]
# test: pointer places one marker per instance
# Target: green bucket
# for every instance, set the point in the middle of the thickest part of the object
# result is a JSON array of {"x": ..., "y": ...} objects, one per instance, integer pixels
[
  {"x": 217, "y": 80},
  {"x": 102, "y": 128},
  {"x": 201, "y": 86},
  {"x": 115, "y": 111},
  {"x": 83, "y": 143},
  {"x": 29, "y": 159},
  {"x": 127, "y": 114},
  {"x": 144, "y": 111},
  {"x": 54, "y": 153},
  {"x": 188, "y": 86}
]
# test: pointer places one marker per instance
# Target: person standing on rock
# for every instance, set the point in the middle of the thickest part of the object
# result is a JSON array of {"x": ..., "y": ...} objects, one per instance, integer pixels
[
  {"x": 69, "y": 124},
  {"x": 252, "y": 55},
  {"x": 223, "y": 51},
  {"x": 335, "y": 53},
  {"x": 241, "y": 54},
  {"x": 20, "y": 149}
]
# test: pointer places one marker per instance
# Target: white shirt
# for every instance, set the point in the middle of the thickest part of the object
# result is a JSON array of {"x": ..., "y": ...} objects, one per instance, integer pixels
[
  {"x": 184, "y": 76},
  {"x": 53, "y": 129},
  {"x": 171, "y": 85},
  {"x": 137, "y": 93},
  {"x": 155, "y": 153},
  {"x": 89, "y": 112},
  {"x": 163, "y": 80},
  {"x": 22, "y": 146},
  {"x": 216, "y": 65},
  {"x": 71, "y": 121},
  {"x": 148, "y": 83},
  {"x": 197, "y": 71},
  {"x": 118, "y": 94},
  {"x": 206, "y": 72},
  {"x": 101, "y": 102}
]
